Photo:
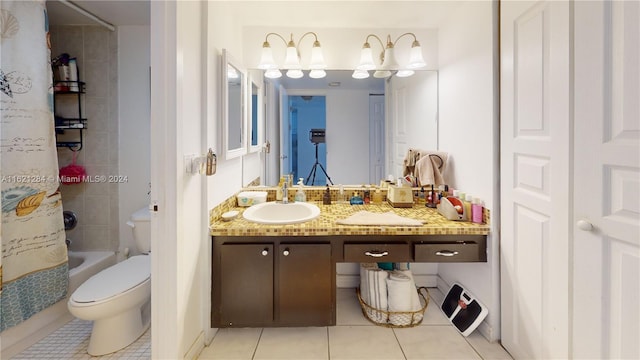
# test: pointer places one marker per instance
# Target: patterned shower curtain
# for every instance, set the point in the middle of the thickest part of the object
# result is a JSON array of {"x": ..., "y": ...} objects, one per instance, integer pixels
[{"x": 33, "y": 270}]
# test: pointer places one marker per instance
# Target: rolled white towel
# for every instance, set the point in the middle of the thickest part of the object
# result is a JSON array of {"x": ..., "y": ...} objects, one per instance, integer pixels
[
  {"x": 364, "y": 280},
  {"x": 378, "y": 292},
  {"x": 403, "y": 297}
]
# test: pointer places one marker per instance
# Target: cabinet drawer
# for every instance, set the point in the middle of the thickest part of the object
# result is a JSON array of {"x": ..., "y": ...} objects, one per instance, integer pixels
[
  {"x": 377, "y": 252},
  {"x": 450, "y": 252}
]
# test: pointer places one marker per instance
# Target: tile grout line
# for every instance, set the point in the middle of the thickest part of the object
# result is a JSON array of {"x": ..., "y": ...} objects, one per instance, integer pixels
[
  {"x": 253, "y": 356},
  {"x": 328, "y": 344},
  {"x": 398, "y": 341}
]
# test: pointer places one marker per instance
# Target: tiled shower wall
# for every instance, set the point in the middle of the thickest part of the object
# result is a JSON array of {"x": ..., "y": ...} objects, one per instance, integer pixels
[{"x": 96, "y": 203}]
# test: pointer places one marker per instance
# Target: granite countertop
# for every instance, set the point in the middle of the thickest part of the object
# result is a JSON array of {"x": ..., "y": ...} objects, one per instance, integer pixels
[{"x": 325, "y": 224}]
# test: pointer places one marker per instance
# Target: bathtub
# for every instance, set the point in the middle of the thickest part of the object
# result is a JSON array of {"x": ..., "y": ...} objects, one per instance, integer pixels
[{"x": 82, "y": 265}]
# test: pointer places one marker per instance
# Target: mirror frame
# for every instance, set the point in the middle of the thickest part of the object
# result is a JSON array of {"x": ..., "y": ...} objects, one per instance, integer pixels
[
  {"x": 259, "y": 110},
  {"x": 228, "y": 60}
]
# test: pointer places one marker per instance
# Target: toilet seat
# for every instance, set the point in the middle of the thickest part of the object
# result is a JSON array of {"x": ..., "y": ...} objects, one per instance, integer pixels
[{"x": 113, "y": 281}]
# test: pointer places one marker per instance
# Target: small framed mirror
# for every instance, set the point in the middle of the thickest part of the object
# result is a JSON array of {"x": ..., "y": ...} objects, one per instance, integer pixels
[
  {"x": 255, "y": 136},
  {"x": 233, "y": 106}
]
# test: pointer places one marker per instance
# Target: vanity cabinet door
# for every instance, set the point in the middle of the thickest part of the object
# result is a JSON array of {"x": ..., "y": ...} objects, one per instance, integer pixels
[
  {"x": 304, "y": 285},
  {"x": 246, "y": 284}
]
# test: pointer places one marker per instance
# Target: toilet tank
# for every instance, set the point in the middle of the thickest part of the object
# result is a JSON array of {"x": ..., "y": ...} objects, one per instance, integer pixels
[{"x": 140, "y": 223}]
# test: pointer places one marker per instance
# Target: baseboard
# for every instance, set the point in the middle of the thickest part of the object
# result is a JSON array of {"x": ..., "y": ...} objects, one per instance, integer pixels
[{"x": 196, "y": 348}]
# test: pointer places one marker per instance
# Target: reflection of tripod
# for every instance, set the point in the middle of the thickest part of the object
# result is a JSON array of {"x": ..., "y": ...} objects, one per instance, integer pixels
[{"x": 313, "y": 169}]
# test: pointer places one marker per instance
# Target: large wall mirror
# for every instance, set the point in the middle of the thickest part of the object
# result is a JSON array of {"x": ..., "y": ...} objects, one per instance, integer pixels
[
  {"x": 233, "y": 106},
  {"x": 369, "y": 125}
]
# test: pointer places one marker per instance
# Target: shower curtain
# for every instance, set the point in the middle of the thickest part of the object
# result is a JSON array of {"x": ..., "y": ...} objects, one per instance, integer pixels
[{"x": 33, "y": 271}]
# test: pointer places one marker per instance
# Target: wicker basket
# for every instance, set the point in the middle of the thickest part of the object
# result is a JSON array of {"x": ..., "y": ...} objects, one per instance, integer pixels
[{"x": 395, "y": 319}]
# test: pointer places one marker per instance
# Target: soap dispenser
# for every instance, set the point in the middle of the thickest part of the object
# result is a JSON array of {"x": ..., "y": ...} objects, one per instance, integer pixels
[{"x": 300, "y": 196}]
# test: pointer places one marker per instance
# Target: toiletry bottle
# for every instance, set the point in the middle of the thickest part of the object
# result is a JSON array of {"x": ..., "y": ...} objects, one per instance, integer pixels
[
  {"x": 279, "y": 189},
  {"x": 367, "y": 195},
  {"x": 445, "y": 192},
  {"x": 467, "y": 207},
  {"x": 326, "y": 198},
  {"x": 377, "y": 197},
  {"x": 422, "y": 197},
  {"x": 300, "y": 195},
  {"x": 341, "y": 199},
  {"x": 476, "y": 210},
  {"x": 356, "y": 199},
  {"x": 432, "y": 203}
]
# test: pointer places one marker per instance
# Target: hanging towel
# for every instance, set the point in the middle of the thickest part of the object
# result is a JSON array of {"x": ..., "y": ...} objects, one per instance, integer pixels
[
  {"x": 409, "y": 161},
  {"x": 402, "y": 297},
  {"x": 430, "y": 168}
]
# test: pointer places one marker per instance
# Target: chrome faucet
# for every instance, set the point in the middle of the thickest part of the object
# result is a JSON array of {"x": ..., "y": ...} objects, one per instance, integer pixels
[{"x": 285, "y": 193}]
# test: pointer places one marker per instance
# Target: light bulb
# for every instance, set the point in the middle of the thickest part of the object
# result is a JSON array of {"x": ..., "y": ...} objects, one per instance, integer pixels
[
  {"x": 360, "y": 74},
  {"x": 366, "y": 58},
  {"x": 291, "y": 60},
  {"x": 416, "y": 60},
  {"x": 389, "y": 62},
  {"x": 317, "y": 59},
  {"x": 294, "y": 73},
  {"x": 405, "y": 73},
  {"x": 317, "y": 74},
  {"x": 272, "y": 74},
  {"x": 266, "y": 59},
  {"x": 380, "y": 74}
]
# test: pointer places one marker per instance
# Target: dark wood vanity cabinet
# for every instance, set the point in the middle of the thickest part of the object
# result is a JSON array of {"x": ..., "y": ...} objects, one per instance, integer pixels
[
  {"x": 246, "y": 284},
  {"x": 304, "y": 286},
  {"x": 272, "y": 284},
  {"x": 261, "y": 281}
]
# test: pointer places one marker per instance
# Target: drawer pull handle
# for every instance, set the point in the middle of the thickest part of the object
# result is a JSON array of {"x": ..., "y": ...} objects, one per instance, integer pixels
[
  {"x": 265, "y": 252},
  {"x": 286, "y": 252},
  {"x": 376, "y": 254},
  {"x": 446, "y": 253}
]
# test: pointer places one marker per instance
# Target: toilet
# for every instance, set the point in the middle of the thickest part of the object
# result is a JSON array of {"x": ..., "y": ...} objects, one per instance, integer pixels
[{"x": 118, "y": 298}]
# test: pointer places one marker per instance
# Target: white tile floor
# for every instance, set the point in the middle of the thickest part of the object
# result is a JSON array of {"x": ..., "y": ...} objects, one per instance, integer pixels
[{"x": 354, "y": 337}]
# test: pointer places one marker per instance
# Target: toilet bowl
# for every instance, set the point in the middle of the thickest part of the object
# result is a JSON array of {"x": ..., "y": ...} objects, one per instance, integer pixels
[{"x": 117, "y": 299}]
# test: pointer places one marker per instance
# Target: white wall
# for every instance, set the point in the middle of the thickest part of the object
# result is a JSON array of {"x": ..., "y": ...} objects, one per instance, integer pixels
[
  {"x": 179, "y": 228},
  {"x": 348, "y": 136},
  {"x": 467, "y": 122},
  {"x": 134, "y": 150}
]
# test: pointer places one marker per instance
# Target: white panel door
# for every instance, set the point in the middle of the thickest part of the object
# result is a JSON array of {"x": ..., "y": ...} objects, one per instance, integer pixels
[
  {"x": 285, "y": 133},
  {"x": 535, "y": 124},
  {"x": 376, "y": 138},
  {"x": 400, "y": 129},
  {"x": 606, "y": 246}
]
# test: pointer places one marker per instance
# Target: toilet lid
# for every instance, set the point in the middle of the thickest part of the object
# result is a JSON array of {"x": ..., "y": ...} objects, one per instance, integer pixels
[{"x": 114, "y": 280}]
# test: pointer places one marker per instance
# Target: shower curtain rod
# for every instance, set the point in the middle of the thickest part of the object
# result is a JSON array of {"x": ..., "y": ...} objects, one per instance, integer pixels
[{"x": 88, "y": 14}]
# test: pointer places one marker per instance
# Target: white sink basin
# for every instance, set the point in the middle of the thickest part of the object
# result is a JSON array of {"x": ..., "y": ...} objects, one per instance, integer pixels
[{"x": 276, "y": 213}]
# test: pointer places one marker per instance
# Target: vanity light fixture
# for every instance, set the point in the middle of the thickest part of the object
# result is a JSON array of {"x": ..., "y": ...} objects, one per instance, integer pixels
[
  {"x": 292, "y": 59},
  {"x": 388, "y": 59}
]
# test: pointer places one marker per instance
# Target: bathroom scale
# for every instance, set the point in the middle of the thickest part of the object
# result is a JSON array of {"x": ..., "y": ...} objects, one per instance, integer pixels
[{"x": 463, "y": 310}]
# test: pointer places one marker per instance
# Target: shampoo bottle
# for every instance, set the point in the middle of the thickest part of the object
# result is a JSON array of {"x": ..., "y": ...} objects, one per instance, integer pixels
[{"x": 300, "y": 196}]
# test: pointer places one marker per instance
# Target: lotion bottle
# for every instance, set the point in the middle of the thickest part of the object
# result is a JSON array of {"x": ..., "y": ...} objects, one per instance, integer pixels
[{"x": 300, "y": 195}]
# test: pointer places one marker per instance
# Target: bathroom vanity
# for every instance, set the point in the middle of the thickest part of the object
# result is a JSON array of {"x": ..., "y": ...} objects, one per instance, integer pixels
[{"x": 285, "y": 275}]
